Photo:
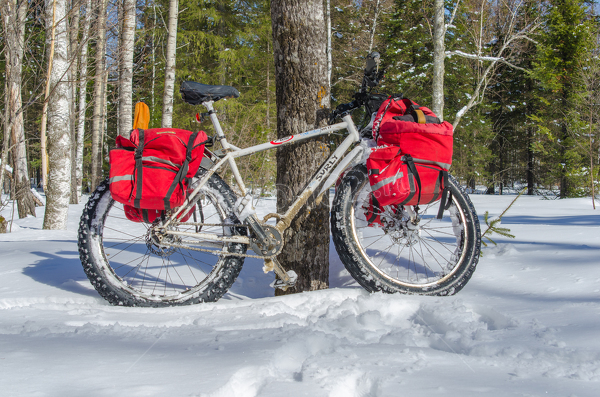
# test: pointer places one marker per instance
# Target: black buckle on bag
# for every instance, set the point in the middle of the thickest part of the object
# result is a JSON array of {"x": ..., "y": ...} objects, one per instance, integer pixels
[{"x": 210, "y": 141}]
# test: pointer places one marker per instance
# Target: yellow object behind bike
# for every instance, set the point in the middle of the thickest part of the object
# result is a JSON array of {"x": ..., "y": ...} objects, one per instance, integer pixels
[{"x": 142, "y": 116}]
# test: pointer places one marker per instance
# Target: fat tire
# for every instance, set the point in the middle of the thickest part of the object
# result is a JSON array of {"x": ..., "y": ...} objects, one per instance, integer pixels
[
  {"x": 362, "y": 268},
  {"x": 104, "y": 279}
]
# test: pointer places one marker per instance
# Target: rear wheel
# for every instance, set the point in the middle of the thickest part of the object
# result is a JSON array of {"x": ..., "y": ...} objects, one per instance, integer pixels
[
  {"x": 431, "y": 257},
  {"x": 128, "y": 266}
]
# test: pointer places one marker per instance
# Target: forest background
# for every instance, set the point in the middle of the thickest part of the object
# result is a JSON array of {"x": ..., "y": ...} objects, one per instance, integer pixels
[{"x": 520, "y": 84}]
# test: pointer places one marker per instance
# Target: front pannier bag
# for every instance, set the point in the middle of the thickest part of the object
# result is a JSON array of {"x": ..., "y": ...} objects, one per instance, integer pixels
[
  {"x": 410, "y": 165},
  {"x": 396, "y": 179},
  {"x": 151, "y": 170}
]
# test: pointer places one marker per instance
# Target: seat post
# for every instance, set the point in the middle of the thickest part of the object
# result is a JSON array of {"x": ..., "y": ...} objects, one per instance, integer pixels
[
  {"x": 215, "y": 121},
  {"x": 226, "y": 146}
]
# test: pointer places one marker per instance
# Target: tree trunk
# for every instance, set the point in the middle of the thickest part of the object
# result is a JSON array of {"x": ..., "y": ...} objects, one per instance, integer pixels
[
  {"x": 73, "y": 44},
  {"x": 126, "y": 78},
  {"x": 302, "y": 98},
  {"x": 564, "y": 145},
  {"x": 374, "y": 25},
  {"x": 13, "y": 18},
  {"x": 59, "y": 134},
  {"x": 329, "y": 47},
  {"x": 83, "y": 78},
  {"x": 592, "y": 160},
  {"x": 4, "y": 153},
  {"x": 99, "y": 87},
  {"x": 439, "y": 54},
  {"x": 152, "y": 95},
  {"x": 530, "y": 162},
  {"x": 167, "y": 116}
]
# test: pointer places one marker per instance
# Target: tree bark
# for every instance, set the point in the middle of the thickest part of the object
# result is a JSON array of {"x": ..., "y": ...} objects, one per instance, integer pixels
[
  {"x": 167, "y": 116},
  {"x": 302, "y": 99},
  {"x": 439, "y": 54},
  {"x": 99, "y": 87},
  {"x": 13, "y": 18},
  {"x": 4, "y": 153},
  {"x": 374, "y": 25},
  {"x": 83, "y": 79},
  {"x": 73, "y": 44},
  {"x": 329, "y": 47},
  {"x": 126, "y": 80},
  {"x": 59, "y": 134}
]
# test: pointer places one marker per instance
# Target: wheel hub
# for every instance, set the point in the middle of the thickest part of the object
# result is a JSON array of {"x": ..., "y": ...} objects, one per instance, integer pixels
[
  {"x": 159, "y": 243},
  {"x": 401, "y": 229}
]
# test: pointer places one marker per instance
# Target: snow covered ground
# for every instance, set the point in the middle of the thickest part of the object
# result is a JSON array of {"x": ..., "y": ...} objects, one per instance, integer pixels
[{"x": 527, "y": 324}]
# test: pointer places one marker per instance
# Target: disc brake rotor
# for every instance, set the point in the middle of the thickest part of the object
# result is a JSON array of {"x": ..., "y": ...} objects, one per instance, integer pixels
[{"x": 159, "y": 243}]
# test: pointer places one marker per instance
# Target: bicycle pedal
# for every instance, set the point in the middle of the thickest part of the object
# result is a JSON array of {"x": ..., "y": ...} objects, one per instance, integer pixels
[{"x": 281, "y": 284}]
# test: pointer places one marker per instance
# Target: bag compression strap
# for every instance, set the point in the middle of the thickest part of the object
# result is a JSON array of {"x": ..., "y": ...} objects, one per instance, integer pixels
[
  {"x": 138, "y": 169},
  {"x": 420, "y": 116},
  {"x": 412, "y": 169},
  {"x": 446, "y": 196},
  {"x": 375, "y": 210},
  {"x": 182, "y": 172}
]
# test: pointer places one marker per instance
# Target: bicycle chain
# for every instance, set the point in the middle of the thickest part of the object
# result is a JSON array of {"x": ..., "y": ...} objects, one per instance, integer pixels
[
  {"x": 216, "y": 253},
  {"x": 209, "y": 224}
]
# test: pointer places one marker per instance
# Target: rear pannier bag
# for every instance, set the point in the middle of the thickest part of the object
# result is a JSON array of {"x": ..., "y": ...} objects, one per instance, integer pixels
[
  {"x": 149, "y": 216},
  {"x": 151, "y": 170}
]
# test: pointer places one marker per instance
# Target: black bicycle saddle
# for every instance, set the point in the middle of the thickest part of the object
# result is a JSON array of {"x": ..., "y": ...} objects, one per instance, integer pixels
[{"x": 196, "y": 93}]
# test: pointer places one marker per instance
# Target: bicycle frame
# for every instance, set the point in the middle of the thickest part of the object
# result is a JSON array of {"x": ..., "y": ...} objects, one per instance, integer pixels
[{"x": 326, "y": 176}]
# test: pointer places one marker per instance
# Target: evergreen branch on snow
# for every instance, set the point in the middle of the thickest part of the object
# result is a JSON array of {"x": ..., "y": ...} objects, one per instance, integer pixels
[{"x": 493, "y": 226}]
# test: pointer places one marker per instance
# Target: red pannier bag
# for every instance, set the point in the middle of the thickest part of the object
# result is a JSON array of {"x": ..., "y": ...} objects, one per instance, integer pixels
[
  {"x": 396, "y": 179},
  {"x": 410, "y": 167},
  {"x": 416, "y": 130},
  {"x": 149, "y": 216},
  {"x": 151, "y": 170}
]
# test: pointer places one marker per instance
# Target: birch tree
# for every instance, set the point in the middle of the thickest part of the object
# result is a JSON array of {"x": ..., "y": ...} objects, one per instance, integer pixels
[
  {"x": 439, "y": 49},
  {"x": 59, "y": 134},
  {"x": 73, "y": 69},
  {"x": 13, "y": 18},
  {"x": 167, "y": 116},
  {"x": 98, "y": 96},
  {"x": 82, "y": 107},
  {"x": 302, "y": 96},
  {"x": 126, "y": 68}
]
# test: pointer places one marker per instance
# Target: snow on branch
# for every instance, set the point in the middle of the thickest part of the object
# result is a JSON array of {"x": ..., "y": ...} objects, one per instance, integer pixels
[
  {"x": 449, "y": 54},
  {"x": 473, "y": 56}
]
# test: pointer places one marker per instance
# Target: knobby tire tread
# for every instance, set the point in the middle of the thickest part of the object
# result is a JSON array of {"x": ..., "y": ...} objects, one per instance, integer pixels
[
  {"x": 362, "y": 271},
  {"x": 220, "y": 284}
]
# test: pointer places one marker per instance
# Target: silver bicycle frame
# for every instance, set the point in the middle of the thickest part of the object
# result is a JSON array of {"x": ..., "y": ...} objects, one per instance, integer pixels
[{"x": 327, "y": 174}]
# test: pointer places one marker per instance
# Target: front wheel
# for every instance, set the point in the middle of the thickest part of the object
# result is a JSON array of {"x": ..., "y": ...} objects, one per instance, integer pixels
[
  {"x": 433, "y": 257},
  {"x": 127, "y": 266}
]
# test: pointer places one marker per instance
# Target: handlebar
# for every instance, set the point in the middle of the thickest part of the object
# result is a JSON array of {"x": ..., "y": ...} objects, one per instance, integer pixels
[{"x": 372, "y": 77}]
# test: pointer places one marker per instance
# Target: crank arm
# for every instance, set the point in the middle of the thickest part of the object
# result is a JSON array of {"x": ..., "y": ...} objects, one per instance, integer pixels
[
  {"x": 286, "y": 279},
  {"x": 257, "y": 228}
]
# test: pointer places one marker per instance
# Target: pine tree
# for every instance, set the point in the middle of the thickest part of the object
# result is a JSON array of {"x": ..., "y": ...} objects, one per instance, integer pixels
[
  {"x": 409, "y": 51},
  {"x": 564, "y": 43}
]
